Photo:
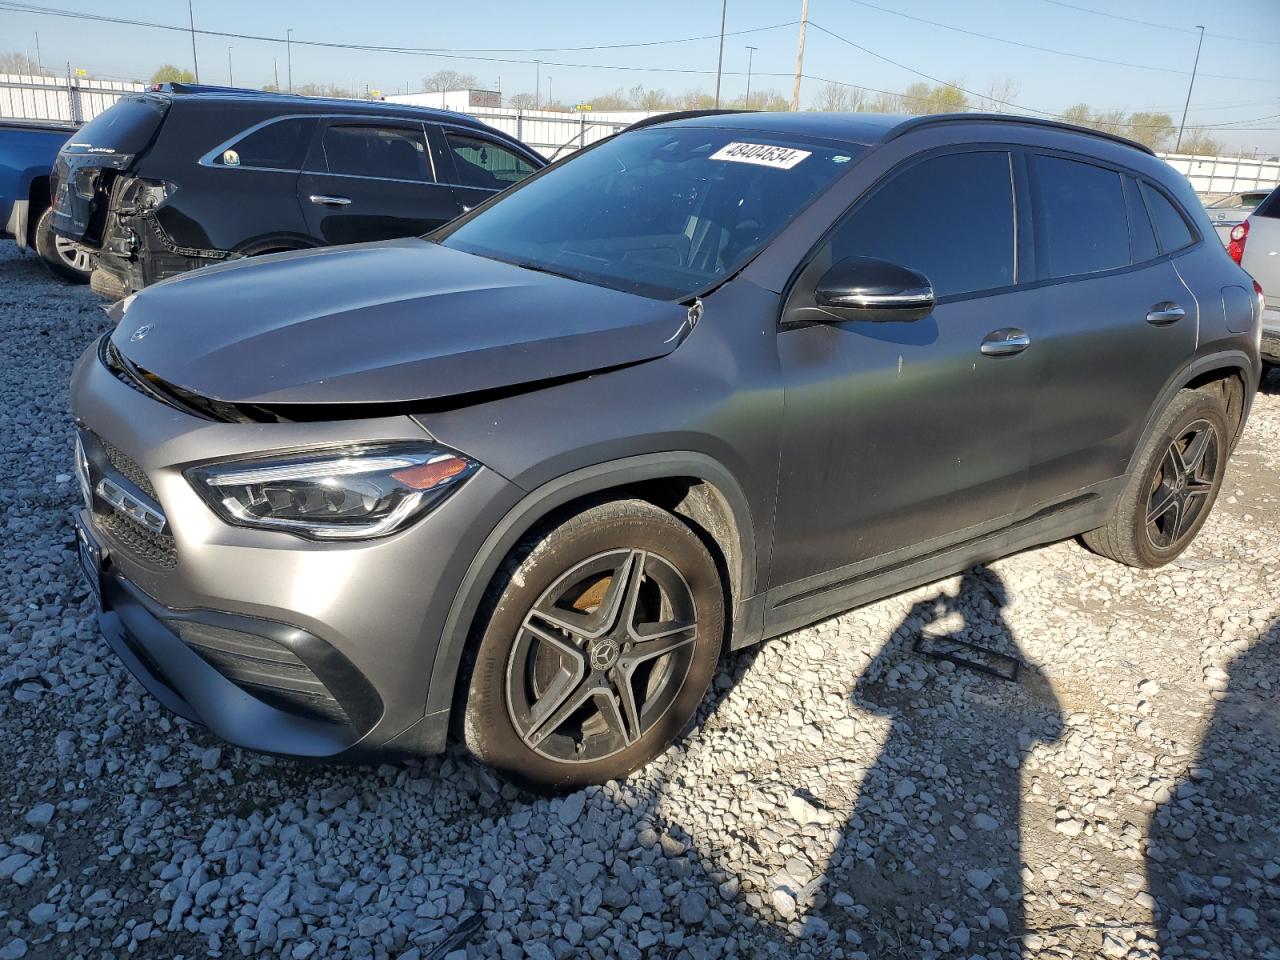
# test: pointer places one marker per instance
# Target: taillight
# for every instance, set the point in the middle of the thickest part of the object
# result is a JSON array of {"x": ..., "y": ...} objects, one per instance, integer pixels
[{"x": 1239, "y": 233}]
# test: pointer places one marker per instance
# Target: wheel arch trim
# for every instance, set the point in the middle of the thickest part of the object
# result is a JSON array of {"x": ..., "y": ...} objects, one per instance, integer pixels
[
  {"x": 539, "y": 503},
  {"x": 1236, "y": 361}
]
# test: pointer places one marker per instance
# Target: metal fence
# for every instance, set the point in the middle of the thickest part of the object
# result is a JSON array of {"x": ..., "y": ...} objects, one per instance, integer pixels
[
  {"x": 79, "y": 99},
  {"x": 71, "y": 99}
]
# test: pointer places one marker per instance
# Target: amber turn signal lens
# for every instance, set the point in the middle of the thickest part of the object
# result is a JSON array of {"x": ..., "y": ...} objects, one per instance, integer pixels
[{"x": 431, "y": 474}]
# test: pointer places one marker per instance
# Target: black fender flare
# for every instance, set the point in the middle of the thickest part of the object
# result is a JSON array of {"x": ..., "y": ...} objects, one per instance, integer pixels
[
  {"x": 536, "y": 505},
  {"x": 1235, "y": 359}
]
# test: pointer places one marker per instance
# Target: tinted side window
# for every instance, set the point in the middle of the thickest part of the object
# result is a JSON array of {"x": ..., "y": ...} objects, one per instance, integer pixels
[
  {"x": 484, "y": 163},
  {"x": 280, "y": 145},
  {"x": 950, "y": 217},
  {"x": 1144, "y": 235},
  {"x": 1081, "y": 226},
  {"x": 1171, "y": 227},
  {"x": 393, "y": 153}
]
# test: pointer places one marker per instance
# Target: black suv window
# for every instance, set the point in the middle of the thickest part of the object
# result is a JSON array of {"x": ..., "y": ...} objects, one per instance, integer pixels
[
  {"x": 392, "y": 153},
  {"x": 1081, "y": 224},
  {"x": 1171, "y": 227},
  {"x": 484, "y": 163},
  {"x": 950, "y": 217},
  {"x": 280, "y": 145}
]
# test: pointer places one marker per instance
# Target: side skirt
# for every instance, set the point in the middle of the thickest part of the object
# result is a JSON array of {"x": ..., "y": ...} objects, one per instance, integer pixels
[{"x": 790, "y": 608}]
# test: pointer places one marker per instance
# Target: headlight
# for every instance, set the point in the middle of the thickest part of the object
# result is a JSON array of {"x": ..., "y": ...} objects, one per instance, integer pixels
[{"x": 354, "y": 492}]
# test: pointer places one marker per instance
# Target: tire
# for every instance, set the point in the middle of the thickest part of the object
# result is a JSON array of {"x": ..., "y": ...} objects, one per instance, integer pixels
[
  {"x": 64, "y": 258},
  {"x": 621, "y": 597},
  {"x": 1172, "y": 487}
]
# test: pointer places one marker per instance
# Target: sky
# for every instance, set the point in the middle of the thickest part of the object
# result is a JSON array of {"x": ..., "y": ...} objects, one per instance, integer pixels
[{"x": 1237, "y": 83}]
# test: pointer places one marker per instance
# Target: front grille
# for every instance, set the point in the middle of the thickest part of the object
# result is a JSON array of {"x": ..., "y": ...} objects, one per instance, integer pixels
[
  {"x": 263, "y": 668},
  {"x": 128, "y": 469},
  {"x": 151, "y": 549}
]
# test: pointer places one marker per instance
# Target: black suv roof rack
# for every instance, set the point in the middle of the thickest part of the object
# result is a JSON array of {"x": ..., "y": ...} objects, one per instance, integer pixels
[
  {"x": 681, "y": 115},
  {"x": 915, "y": 123}
]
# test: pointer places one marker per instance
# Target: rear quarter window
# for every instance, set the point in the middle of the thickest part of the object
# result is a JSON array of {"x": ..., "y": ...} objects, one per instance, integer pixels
[
  {"x": 1172, "y": 229},
  {"x": 281, "y": 145},
  {"x": 1081, "y": 223}
]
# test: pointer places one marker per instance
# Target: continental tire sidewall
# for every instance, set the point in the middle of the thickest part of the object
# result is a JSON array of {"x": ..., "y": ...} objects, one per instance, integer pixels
[
  {"x": 488, "y": 729},
  {"x": 1186, "y": 409}
]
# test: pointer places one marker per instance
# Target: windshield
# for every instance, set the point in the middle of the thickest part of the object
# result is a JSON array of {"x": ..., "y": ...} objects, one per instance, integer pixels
[
  {"x": 124, "y": 128},
  {"x": 663, "y": 213}
]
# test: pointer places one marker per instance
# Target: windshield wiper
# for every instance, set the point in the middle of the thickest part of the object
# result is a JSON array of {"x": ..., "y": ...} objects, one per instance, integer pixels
[{"x": 543, "y": 268}]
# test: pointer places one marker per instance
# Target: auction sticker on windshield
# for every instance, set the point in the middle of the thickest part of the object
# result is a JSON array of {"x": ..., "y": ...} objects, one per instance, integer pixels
[{"x": 763, "y": 154}]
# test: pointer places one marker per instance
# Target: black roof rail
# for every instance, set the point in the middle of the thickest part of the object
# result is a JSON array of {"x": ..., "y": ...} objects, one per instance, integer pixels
[
  {"x": 915, "y": 123},
  {"x": 180, "y": 87},
  {"x": 680, "y": 115}
]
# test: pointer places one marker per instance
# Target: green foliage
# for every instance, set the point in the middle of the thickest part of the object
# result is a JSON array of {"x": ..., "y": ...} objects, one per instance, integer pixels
[{"x": 168, "y": 73}]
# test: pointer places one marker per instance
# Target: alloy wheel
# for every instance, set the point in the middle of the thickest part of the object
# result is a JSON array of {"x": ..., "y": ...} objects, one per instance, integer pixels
[
  {"x": 1183, "y": 485},
  {"x": 73, "y": 254},
  {"x": 601, "y": 656}
]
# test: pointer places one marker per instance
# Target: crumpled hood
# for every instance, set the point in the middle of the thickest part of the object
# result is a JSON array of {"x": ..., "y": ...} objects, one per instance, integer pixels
[{"x": 383, "y": 322}]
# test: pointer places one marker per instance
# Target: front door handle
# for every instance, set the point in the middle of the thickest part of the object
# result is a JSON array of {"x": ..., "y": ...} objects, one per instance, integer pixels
[
  {"x": 1005, "y": 342},
  {"x": 1163, "y": 314},
  {"x": 325, "y": 201}
]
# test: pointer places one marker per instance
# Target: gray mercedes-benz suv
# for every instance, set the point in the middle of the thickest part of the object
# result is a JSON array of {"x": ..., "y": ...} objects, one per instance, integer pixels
[{"x": 706, "y": 382}]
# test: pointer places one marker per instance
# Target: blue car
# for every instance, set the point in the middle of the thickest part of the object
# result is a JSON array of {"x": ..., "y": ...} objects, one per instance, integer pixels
[{"x": 28, "y": 150}]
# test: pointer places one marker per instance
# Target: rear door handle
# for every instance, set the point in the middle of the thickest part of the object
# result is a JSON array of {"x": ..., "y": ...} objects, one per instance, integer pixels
[
  {"x": 1163, "y": 314},
  {"x": 325, "y": 201},
  {"x": 1005, "y": 342}
]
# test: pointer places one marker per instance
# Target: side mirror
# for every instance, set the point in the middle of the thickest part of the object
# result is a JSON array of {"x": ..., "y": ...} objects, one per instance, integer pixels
[{"x": 864, "y": 288}]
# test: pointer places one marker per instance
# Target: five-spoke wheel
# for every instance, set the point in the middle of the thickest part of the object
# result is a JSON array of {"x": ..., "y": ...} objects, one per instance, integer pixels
[{"x": 602, "y": 640}]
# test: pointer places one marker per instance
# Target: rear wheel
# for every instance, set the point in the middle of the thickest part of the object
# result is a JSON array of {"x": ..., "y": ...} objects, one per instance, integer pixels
[
  {"x": 1173, "y": 485},
  {"x": 64, "y": 258},
  {"x": 602, "y": 638}
]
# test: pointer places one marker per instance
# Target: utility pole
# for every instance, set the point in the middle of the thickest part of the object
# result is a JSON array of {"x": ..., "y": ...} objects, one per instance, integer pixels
[
  {"x": 275, "y": 70},
  {"x": 724, "y": 9},
  {"x": 191, "y": 19},
  {"x": 550, "y": 100},
  {"x": 804, "y": 25},
  {"x": 751, "y": 52},
  {"x": 39, "y": 64},
  {"x": 1190, "y": 86},
  {"x": 288, "y": 53},
  {"x": 537, "y": 85},
  {"x": 231, "y": 76}
]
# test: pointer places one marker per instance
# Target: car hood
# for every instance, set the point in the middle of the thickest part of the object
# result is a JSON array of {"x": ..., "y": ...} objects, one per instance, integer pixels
[{"x": 386, "y": 322}]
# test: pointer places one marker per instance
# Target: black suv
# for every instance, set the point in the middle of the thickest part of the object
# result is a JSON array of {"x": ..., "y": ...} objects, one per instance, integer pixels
[
  {"x": 700, "y": 384},
  {"x": 184, "y": 176}
]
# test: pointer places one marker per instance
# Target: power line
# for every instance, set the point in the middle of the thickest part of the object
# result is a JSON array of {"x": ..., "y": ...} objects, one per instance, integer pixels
[
  {"x": 1060, "y": 53},
  {"x": 1159, "y": 26}
]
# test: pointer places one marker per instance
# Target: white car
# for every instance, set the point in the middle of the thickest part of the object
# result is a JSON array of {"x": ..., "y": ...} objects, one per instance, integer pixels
[
  {"x": 1227, "y": 212},
  {"x": 1254, "y": 243}
]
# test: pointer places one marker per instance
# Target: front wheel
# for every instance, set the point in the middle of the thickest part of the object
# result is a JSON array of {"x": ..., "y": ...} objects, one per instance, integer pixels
[
  {"x": 1172, "y": 487},
  {"x": 64, "y": 258},
  {"x": 602, "y": 638}
]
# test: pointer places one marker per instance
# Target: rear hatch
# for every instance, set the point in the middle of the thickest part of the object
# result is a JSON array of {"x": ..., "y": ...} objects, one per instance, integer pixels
[{"x": 89, "y": 162}]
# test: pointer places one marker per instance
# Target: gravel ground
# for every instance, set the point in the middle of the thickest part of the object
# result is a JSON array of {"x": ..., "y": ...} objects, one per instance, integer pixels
[{"x": 842, "y": 795}]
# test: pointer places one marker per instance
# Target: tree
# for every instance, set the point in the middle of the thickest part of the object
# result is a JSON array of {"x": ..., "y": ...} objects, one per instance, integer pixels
[
  {"x": 695, "y": 100},
  {"x": 22, "y": 65},
  {"x": 168, "y": 73},
  {"x": 944, "y": 98},
  {"x": 1156, "y": 130},
  {"x": 522, "y": 101},
  {"x": 443, "y": 80},
  {"x": 833, "y": 98},
  {"x": 1198, "y": 143},
  {"x": 610, "y": 101},
  {"x": 1000, "y": 95},
  {"x": 1078, "y": 114}
]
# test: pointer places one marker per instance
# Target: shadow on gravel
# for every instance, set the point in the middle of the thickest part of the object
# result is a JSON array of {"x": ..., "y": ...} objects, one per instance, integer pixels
[
  {"x": 924, "y": 872},
  {"x": 1270, "y": 381},
  {"x": 1213, "y": 854}
]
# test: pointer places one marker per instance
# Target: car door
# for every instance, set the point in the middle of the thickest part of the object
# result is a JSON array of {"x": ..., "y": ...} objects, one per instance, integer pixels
[
  {"x": 1112, "y": 321},
  {"x": 372, "y": 180},
  {"x": 905, "y": 437},
  {"x": 479, "y": 166}
]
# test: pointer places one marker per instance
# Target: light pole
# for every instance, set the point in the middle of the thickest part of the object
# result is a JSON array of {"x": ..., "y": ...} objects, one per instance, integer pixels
[
  {"x": 1190, "y": 86},
  {"x": 191, "y": 19},
  {"x": 231, "y": 77},
  {"x": 537, "y": 85},
  {"x": 288, "y": 52},
  {"x": 550, "y": 100},
  {"x": 724, "y": 9},
  {"x": 751, "y": 52}
]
